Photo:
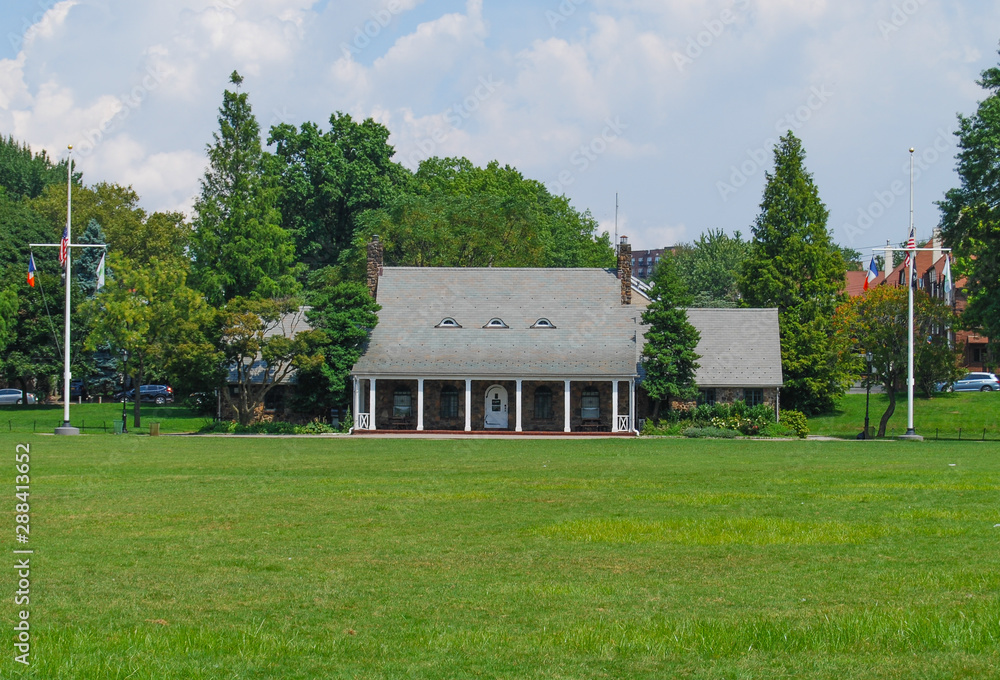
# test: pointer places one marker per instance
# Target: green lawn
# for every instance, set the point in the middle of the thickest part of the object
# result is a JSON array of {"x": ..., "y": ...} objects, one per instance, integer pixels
[
  {"x": 173, "y": 418},
  {"x": 186, "y": 557},
  {"x": 941, "y": 416}
]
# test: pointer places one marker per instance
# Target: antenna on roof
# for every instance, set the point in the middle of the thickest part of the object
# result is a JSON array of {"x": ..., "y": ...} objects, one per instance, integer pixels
[{"x": 616, "y": 218}]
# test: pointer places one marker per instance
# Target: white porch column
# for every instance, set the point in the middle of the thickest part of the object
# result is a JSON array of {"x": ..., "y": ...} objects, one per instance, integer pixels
[
  {"x": 632, "y": 412},
  {"x": 468, "y": 405},
  {"x": 566, "y": 426},
  {"x": 371, "y": 403},
  {"x": 420, "y": 404},
  {"x": 614, "y": 406},
  {"x": 517, "y": 422},
  {"x": 356, "y": 413}
]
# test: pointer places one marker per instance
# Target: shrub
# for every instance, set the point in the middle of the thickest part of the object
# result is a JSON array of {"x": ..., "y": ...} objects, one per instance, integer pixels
[
  {"x": 796, "y": 420},
  {"x": 662, "y": 428},
  {"x": 709, "y": 432},
  {"x": 777, "y": 430}
]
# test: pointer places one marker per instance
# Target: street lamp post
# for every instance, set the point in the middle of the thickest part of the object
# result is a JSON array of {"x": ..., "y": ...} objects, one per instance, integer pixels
[
  {"x": 868, "y": 392},
  {"x": 124, "y": 393}
]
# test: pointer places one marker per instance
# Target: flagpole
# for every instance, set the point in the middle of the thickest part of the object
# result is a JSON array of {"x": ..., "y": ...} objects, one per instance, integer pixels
[
  {"x": 911, "y": 433},
  {"x": 66, "y": 428}
]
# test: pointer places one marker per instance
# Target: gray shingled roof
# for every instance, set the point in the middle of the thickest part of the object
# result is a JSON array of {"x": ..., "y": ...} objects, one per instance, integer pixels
[
  {"x": 738, "y": 347},
  {"x": 594, "y": 334}
]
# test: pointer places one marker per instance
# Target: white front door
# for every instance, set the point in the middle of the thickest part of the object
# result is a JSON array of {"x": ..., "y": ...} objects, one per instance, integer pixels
[{"x": 496, "y": 408}]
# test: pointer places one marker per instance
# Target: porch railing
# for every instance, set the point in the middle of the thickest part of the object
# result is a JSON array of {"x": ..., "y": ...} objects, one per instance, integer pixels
[
  {"x": 624, "y": 424},
  {"x": 364, "y": 421}
]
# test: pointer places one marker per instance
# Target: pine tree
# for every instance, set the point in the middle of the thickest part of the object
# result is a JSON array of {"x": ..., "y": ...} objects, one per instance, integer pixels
[
  {"x": 670, "y": 357},
  {"x": 240, "y": 248},
  {"x": 795, "y": 266}
]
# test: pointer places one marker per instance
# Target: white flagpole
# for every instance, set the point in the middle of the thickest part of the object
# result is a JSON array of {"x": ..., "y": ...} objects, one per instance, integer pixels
[
  {"x": 66, "y": 428},
  {"x": 910, "y": 432}
]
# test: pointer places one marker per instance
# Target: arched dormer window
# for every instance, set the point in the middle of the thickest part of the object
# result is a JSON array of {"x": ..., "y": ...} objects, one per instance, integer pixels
[
  {"x": 543, "y": 323},
  {"x": 496, "y": 323},
  {"x": 448, "y": 322}
]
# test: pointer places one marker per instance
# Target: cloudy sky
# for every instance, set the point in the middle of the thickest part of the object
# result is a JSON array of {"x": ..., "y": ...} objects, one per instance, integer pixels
[{"x": 673, "y": 104}]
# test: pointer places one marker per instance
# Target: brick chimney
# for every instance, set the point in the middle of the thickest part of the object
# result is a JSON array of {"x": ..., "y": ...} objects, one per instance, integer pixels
[
  {"x": 374, "y": 265},
  {"x": 625, "y": 269}
]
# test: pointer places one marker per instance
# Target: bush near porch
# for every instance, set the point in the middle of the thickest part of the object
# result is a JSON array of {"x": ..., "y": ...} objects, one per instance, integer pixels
[{"x": 751, "y": 421}]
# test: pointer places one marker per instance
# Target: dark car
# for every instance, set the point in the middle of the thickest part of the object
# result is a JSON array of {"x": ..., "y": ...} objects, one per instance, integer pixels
[{"x": 157, "y": 394}]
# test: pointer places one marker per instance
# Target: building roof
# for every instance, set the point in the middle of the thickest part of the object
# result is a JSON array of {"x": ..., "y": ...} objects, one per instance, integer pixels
[
  {"x": 738, "y": 347},
  {"x": 855, "y": 282},
  {"x": 594, "y": 334}
]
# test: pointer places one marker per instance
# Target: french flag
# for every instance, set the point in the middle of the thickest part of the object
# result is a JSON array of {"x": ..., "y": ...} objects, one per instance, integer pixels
[
  {"x": 872, "y": 275},
  {"x": 31, "y": 270}
]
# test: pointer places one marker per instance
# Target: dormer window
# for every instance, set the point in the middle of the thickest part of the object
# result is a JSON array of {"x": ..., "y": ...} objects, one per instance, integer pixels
[
  {"x": 496, "y": 323},
  {"x": 448, "y": 322},
  {"x": 543, "y": 323}
]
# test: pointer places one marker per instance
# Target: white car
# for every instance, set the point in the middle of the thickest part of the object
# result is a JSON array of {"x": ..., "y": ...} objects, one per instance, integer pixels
[{"x": 11, "y": 396}]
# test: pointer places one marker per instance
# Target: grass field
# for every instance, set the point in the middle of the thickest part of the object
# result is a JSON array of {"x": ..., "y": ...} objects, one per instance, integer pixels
[
  {"x": 186, "y": 557},
  {"x": 941, "y": 416},
  {"x": 173, "y": 418}
]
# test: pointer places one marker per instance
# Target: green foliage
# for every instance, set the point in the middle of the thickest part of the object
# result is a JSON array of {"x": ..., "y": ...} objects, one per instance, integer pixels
[
  {"x": 346, "y": 314},
  {"x": 669, "y": 353},
  {"x": 796, "y": 421},
  {"x": 24, "y": 174},
  {"x": 260, "y": 346},
  {"x": 876, "y": 322},
  {"x": 239, "y": 247},
  {"x": 22, "y": 225},
  {"x": 148, "y": 312},
  {"x": 8, "y": 316},
  {"x": 737, "y": 417},
  {"x": 328, "y": 179},
  {"x": 970, "y": 213},
  {"x": 795, "y": 267},
  {"x": 271, "y": 427},
  {"x": 710, "y": 266},
  {"x": 709, "y": 433}
]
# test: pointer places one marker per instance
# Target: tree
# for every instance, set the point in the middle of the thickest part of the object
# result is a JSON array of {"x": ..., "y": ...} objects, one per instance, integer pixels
[
  {"x": 148, "y": 312},
  {"x": 261, "y": 351},
  {"x": 710, "y": 266},
  {"x": 670, "y": 357},
  {"x": 876, "y": 322},
  {"x": 346, "y": 313},
  {"x": 24, "y": 174},
  {"x": 970, "y": 213},
  {"x": 240, "y": 248},
  {"x": 328, "y": 179},
  {"x": 793, "y": 265}
]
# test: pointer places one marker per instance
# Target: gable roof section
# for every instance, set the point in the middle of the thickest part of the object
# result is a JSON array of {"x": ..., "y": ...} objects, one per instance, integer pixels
[
  {"x": 594, "y": 334},
  {"x": 738, "y": 347}
]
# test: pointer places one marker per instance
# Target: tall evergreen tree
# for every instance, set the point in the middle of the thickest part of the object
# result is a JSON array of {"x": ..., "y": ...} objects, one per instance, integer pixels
[
  {"x": 24, "y": 174},
  {"x": 795, "y": 266},
  {"x": 240, "y": 248},
  {"x": 710, "y": 267},
  {"x": 970, "y": 220},
  {"x": 670, "y": 357}
]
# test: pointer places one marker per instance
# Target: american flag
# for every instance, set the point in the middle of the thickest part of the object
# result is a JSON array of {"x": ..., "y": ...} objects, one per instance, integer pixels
[
  {"x": 911, "y": 243},
  {"x": 64, "y": 246}
]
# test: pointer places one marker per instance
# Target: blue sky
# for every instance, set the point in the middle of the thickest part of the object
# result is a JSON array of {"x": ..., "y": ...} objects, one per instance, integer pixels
[{"x": 674, "y": 104}]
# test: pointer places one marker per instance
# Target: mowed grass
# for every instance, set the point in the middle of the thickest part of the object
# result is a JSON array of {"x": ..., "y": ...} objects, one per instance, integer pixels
[
  {"x": 45, "y": 418},
  {"x": 187, "y": 557},
  {"x": 942, "y": 416}
]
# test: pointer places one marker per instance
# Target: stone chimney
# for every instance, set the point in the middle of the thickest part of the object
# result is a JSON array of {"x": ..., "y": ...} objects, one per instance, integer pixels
[
  {"x": 625, "y": 269},
  {"x": 374, "y": 265}
]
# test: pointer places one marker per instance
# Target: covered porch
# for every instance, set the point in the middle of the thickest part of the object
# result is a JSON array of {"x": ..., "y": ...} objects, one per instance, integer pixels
[{"x": 494, "y": 405}]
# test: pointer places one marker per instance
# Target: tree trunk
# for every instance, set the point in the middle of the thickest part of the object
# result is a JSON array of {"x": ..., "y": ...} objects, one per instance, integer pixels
[
  {"x": 140, "y": 375},
  {"x": 889, "y": 411},
  {"x": 656, "y": 410}
]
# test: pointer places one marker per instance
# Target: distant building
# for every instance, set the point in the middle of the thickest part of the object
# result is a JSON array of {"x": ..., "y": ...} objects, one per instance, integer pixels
[{"x": 644, "y": 262}]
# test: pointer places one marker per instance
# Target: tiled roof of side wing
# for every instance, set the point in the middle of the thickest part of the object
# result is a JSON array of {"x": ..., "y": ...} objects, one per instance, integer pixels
[{"x": 738, "y": 347}]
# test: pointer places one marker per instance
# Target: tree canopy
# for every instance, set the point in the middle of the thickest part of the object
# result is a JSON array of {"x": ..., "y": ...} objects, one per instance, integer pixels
[
  {"x": 794, "y": 265},
  {"x": 710, "y": 266},
  {"x": 970, "y": 213}
]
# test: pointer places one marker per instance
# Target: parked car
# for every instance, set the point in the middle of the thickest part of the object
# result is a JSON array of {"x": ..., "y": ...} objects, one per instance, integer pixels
[
  {"x": 11, "y": 396},
  {"x": 158, "y": 394},
  {"x": 972, "y": 382},
  {"x": 77, "y": 389}
]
